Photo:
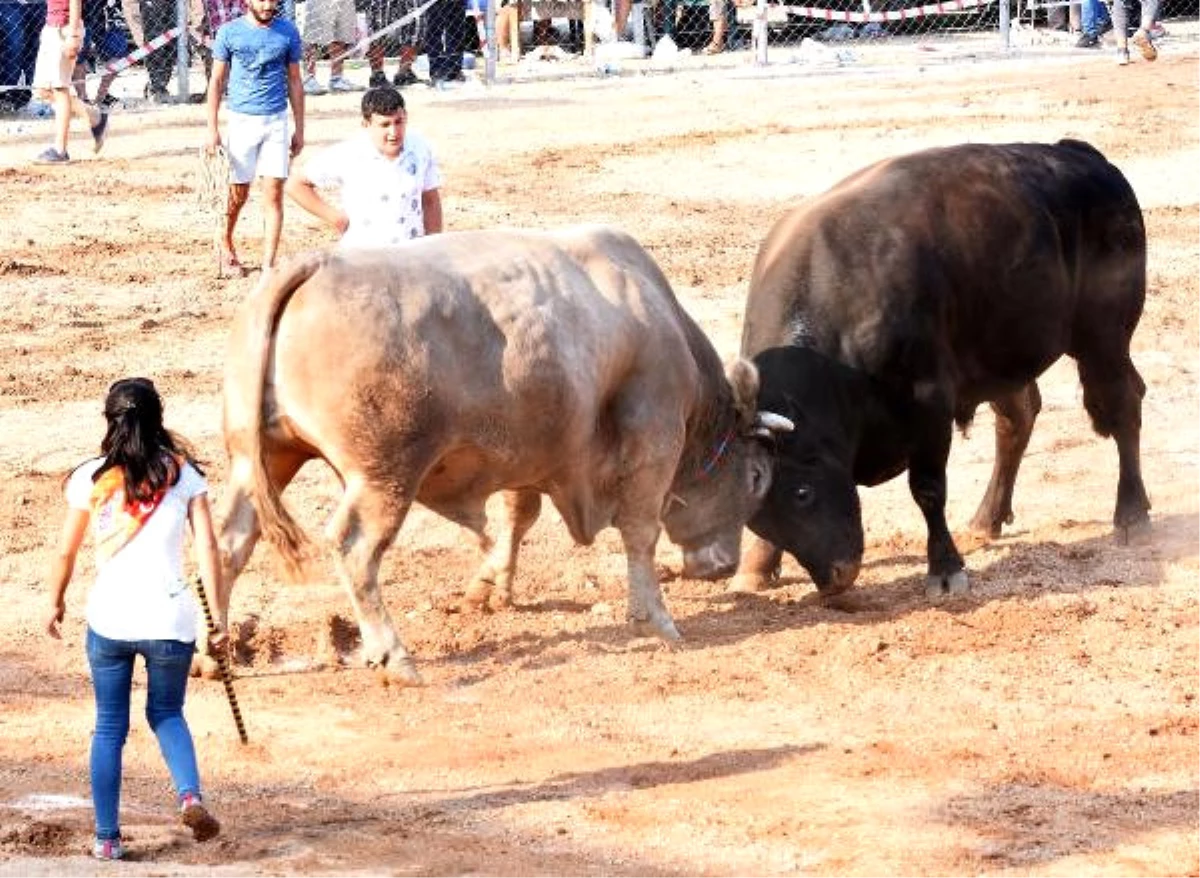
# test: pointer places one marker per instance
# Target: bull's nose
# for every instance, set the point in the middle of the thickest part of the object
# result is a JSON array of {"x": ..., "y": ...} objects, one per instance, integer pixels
[
  {"x": 842, "y": 576},
  {"x": 708, "y": 563}
]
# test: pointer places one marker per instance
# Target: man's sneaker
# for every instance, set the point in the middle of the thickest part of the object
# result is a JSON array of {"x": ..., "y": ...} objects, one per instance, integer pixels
[
  {"x": 100, "y": 131},
  {"x": 51, "y": 156},
  {"x": 1145, "y": 45},
  {"x": 1122, "y": 56},
  {"x": 378, "y": 79},
  {"x": 312, "y": 87},
  {"x": 108, "y": 849},
  {"x": 342, "y": 84},
  {"x": 1087, "y": 41},
  {"x": 404, "y": 77},
  {"x": 195, "y": 817}
]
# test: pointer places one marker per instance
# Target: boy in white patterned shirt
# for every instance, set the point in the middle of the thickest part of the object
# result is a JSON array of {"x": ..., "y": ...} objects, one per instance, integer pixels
[{"x": 386, "y": 176}]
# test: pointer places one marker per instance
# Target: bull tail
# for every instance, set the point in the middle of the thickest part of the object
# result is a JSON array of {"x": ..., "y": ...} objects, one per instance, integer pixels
[{"x": 266, "y": 306}]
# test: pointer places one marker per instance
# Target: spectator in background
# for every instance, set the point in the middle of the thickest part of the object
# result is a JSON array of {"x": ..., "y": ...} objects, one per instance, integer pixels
[
  {"x": 53, "y": 70},
  {"x": 720, "y": 25},
  {"x": 101, "y": 43},
  {"x": 401, "y": 42},
  {"x": 155, "y": 17},
  {"x": 1141, "y": 38},
  {"x": 207, "y": 17},
  {"x": 386, "y": 177},
  {"x": 258, "y": 57},
  {"x": 21, "y": 23},
  {"x": 328, "y": 24},
  {"x": 445, "y": 25},
  {"x": 1094, "y": 23}
]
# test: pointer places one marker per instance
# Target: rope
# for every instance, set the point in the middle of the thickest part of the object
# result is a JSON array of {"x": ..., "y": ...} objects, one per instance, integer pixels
[
  {"x": 223, "y": 664},
  {"x": 212, "y": 193}
]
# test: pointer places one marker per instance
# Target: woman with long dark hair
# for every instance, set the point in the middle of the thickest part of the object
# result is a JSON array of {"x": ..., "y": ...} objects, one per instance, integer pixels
[{"x": 138, "y": 497}]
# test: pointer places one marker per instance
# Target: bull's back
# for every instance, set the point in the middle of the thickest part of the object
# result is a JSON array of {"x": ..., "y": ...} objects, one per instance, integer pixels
[
  {"x": 503, "y": 343},
  {"x": 967, "y": 247}
]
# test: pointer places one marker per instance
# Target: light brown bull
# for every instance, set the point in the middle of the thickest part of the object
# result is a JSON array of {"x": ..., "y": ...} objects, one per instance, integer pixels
[{"x": 461, "y": 365}]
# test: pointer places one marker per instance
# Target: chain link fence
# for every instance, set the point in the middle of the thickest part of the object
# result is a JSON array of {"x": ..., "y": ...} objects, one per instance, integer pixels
[{"x": 156, "y": 52}]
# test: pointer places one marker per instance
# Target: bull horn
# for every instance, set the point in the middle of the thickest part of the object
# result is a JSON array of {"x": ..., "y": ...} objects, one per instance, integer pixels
[{"x": 768, "y": 424}]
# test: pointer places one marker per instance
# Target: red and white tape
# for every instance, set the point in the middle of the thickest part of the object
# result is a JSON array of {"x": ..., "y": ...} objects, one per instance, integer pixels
[
  {"x": 142, "y": 51},
  {"x": 890, "y": 15}
]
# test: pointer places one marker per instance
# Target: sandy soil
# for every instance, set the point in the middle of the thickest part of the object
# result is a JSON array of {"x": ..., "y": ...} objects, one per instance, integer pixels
[{"x": 1047, "y": 724}]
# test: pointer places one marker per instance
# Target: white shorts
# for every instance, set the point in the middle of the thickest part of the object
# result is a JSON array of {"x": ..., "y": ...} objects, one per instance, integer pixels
[
  {"x": 258, "y": 146},
  {"x": 329, "y": 21},
  {"x": 53, "y": 67}
]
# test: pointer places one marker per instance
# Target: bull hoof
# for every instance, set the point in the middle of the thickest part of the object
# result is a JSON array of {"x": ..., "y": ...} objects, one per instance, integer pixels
[
  {"x": 748, "y": 583},
  {"x": 478, "y": 593},
  {"x": 205, "y": 667},
  {"x": 402, "y": 673},
  {"x": 939, "y": 586},
  {"x": 1136, "y": 533},
  {"x": 664, "y": 629}
]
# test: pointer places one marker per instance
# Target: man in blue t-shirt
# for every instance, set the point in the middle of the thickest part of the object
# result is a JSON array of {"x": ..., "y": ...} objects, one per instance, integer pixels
[{"x": 258, "y": 57}]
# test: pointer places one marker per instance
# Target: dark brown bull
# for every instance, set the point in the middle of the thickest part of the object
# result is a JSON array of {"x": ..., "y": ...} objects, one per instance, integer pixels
[{"x": 890, "y": 307}]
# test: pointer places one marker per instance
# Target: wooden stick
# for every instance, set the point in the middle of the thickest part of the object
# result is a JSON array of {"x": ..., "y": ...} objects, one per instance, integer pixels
[{"x": 222, "y": 663}]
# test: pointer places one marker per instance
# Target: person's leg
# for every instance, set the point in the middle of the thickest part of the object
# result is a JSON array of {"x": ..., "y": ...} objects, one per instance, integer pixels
[
  {"x": 243, "y": 139},
  {"x": 158, "y": 16},
  {"x": 168, "y": 664},
  {"x": 111, "y": 662},
  {"x": 272, "y": 192},
  {"x": 337, "y": 55},
  {"x": 1142, "y": 38},
  {"x": 272, "y": 169}
]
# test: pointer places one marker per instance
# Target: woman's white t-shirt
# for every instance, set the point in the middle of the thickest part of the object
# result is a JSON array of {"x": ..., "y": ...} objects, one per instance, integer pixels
[{"x": 140, "y": 593}]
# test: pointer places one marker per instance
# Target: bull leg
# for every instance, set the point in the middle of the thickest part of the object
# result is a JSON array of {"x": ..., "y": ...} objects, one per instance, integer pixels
[
  {"x": 239, "y": 533},
  {"x": 362, "y": 528},
  {"x": 1015, "y": 415},
  {"x": 520, "y": 511},
  {"x": 927, "y": 482},
  {"x": 759, "y": 567},
  {"x": 1113, "y": 399},
  {"x": 646, "y": 612}
]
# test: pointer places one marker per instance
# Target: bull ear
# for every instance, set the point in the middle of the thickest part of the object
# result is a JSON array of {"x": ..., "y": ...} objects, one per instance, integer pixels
[{"x": 743, "y": 378}]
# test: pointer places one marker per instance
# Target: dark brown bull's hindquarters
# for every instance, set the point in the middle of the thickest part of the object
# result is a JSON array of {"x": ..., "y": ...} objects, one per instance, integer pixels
[
  {"x": 466, "y": 364},
  {"x": 889, "y": 308}
]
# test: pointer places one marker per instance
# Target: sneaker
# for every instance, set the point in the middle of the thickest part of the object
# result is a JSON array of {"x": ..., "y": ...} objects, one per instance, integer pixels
[
  {"x": 312, "y": 87},
  {"x": 195, "y": 817},
  {"x": 109, "y": 101},
  {"x": 342, "y": 84},
  {"x": 378, "y": 79},
  {"x": 1145, "y": 45},
  {"x": 1087, "y": 41},
  {"x": 404, "y": 77},
  {"x": 100, "y": 131},
  {"x": 108, "y": 849},
  {"x": 157, "y": 95},
  {"x": 1122, "y": 57},
  {"x": 51, "y": 156}
]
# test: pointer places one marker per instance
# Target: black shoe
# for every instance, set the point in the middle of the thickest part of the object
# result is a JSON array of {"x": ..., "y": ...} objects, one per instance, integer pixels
[
  {"x": 404, "y": 77},
  {"x": 378, "y": 79},
  {"x": 1087, "y": 41},
  {"x": 108, "y": 101}
]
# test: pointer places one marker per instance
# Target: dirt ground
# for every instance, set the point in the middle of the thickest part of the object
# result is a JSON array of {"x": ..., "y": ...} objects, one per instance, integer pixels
[{"x": 1046, "y": 724}]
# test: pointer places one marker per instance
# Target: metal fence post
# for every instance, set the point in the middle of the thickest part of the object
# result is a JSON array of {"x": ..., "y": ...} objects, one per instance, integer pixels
[
  {"x": 182, "y": 61},
  {"x": 758, "y": 33}
]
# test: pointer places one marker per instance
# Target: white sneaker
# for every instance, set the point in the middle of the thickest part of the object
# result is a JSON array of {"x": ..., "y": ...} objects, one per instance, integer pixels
[
  {"x": 312, "y": 87},
  {"x": 1122, "y": 57},
  {"x": 342, "y": 84}
]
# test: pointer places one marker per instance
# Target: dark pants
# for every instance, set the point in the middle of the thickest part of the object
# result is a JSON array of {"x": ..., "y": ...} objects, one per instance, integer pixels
[
  {"x": 445, "y": 24},
  {"x": 20, "y": 30},
  {"x": 158, "y": 17}
]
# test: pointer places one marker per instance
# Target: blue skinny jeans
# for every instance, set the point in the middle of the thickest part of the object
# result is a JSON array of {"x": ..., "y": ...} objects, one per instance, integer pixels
[{"x": 168, "y": 663}]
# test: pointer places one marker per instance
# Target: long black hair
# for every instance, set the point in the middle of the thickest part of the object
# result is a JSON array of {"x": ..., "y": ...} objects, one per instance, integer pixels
[{"x": 136, "y": 441}]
